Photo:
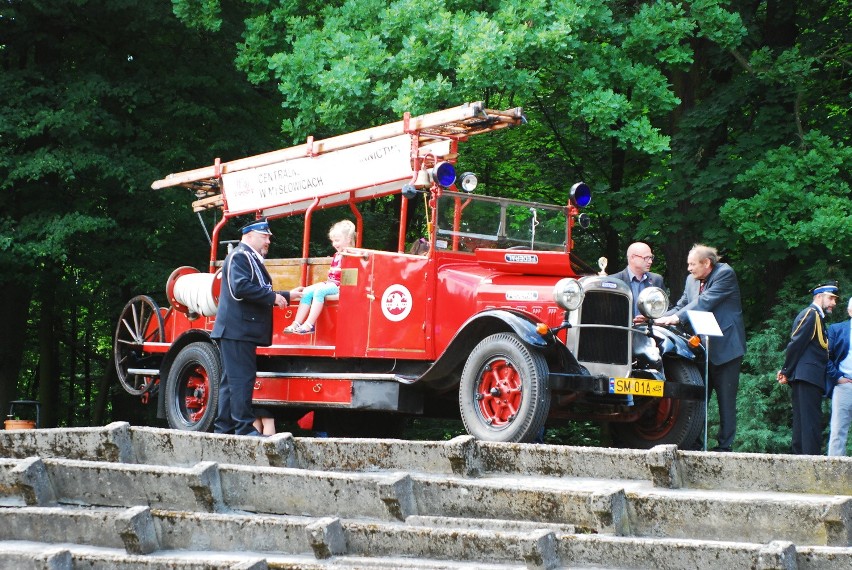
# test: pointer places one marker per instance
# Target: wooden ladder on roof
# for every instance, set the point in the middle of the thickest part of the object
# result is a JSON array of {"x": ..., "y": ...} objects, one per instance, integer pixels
[{"x": 458, "y": 123}]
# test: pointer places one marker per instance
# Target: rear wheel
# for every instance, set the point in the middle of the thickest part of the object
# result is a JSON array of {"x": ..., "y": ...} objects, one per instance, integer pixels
[
  {"x": 192, "y": 388},
  {"x": 504, "y": 394},
  {"x": 667, "y": 421}
]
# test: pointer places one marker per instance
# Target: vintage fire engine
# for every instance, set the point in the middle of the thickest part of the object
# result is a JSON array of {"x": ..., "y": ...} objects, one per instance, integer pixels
[{"x": 499, "y": 323}]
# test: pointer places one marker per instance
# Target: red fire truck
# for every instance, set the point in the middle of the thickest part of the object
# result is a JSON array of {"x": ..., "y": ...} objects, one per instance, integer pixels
[{"x": 499, "y": 323}]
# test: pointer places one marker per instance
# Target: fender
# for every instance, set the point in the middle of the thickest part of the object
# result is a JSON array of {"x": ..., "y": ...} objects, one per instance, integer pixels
[
  {"x": 477, "y": 327},
  {"x": 190, "y": 336},
  {"x": 648, "y": 355},
  {"x": 521, "y": 324},
  {"x": 673, "y": 343}
]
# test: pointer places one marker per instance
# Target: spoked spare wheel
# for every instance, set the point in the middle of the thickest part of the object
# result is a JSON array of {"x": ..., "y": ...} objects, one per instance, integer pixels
[
  {"x": 140, "y": 322},
  {"x": 504, "y": 394}
]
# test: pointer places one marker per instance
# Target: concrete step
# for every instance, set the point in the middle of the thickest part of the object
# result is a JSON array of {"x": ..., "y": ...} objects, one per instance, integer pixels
[
  {"x": 39, "y": 556},
  {"x": 623, "y": 508},
  {"x": 155, "y": 537},
  {"x": 144, "y": 531},
  {"x": 137, "y": 494},
  {"x": 665, "y": 466}
]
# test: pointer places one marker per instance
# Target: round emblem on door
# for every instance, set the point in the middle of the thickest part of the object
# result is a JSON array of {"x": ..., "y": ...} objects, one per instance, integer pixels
[{"x": 396, "y": 302}]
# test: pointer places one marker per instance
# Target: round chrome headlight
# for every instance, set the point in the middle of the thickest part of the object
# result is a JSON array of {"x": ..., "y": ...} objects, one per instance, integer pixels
[
  {"x": 652, "y": 302},
  {"x": 469, "y": 182},
  {"x": 568, "y": 294}
]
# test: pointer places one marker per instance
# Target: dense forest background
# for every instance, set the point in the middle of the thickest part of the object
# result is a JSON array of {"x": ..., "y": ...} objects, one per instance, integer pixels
[{"x": 722, "y": 122}]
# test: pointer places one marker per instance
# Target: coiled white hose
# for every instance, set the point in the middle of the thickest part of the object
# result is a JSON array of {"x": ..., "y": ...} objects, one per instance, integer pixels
[{"x": 195, "y": 292}]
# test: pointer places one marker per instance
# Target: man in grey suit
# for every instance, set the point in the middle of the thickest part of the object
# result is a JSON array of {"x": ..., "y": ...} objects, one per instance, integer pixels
[
  {"x": 638, "y": 274},
  {"x": 712, "y": 286}
]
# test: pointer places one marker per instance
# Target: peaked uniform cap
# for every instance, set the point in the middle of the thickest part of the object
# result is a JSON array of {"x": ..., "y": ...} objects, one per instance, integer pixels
[
  {"x": 260, "y": 226},
  {"x": 829, "y": 287}
]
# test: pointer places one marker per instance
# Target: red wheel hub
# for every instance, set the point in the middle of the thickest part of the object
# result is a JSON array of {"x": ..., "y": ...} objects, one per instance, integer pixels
[
  {"x": 197, "y": 394},
  {"x": 499, "y": 393},
  {"x": 659, "y": 423}
]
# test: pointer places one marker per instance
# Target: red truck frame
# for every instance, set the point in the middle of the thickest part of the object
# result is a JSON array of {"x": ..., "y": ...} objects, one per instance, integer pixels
[{"x": 499, "y": 323}]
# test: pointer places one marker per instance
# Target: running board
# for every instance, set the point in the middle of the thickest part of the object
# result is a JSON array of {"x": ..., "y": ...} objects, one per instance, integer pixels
[
  {"x": 329, "y": 376},
  {"x": 350, "y": 391},
  {"x": 144, "y": 371}
]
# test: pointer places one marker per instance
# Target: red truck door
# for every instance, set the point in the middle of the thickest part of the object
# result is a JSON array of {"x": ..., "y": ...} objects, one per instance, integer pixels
[{"x": 383, "y": 300}]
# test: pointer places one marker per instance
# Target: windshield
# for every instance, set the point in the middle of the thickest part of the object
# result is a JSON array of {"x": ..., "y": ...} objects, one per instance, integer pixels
[{"x": 469, "y": 221}]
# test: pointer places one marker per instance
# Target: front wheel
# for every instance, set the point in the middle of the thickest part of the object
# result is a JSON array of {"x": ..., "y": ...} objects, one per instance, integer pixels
[
  {"x": 192, "y": 388},
  {"x": 667, "y": 421},
  {"x": 504, "y": 393}
]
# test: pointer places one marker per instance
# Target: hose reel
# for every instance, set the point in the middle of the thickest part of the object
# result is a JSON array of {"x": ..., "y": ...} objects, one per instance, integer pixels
[{"x": 194, "y": 293}]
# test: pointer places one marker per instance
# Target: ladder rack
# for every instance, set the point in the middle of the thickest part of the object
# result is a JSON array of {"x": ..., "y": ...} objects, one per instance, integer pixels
[{"x": 361, "y": 152}]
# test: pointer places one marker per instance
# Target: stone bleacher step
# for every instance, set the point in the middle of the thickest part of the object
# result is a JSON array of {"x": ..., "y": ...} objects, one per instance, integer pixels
[
  {"x": 590, "y": 505},
  {"x": 38, "y": 556},
  {"x": 665, "y": 466},
  {"x": 131, "y": 494},
  {"x": 139, "y": 530},
  {"x": 211, "y": 540}
]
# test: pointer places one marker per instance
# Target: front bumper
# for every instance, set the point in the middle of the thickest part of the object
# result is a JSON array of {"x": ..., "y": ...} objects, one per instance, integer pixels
[{"x": 599, "y": 385}]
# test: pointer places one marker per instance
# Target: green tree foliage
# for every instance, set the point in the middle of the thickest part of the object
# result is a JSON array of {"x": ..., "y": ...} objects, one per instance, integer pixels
[
  {"x": 797, "y": 203},
  {"x": 101, "y": 98},
  {"x": 341, "y": 64},
  {"x": 717, "y": 121},
  {"x": 703, "y": 121}
]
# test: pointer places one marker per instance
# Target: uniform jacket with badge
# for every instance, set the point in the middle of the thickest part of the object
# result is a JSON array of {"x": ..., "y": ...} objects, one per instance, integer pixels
[
  {"x": 721, "y": 296},
  {"x": 807, "y": 351},
  {"x": 246, "y": 299}
]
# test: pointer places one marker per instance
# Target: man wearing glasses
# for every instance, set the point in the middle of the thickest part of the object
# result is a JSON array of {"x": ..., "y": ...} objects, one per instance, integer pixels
[{"x": 638, "y": 274}]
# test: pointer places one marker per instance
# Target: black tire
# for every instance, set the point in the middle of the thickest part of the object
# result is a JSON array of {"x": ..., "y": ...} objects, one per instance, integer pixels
[
  {"x": 668, "y": 421},
  {"x": 504, "y": 394},
  {"x": 192, "y": 388}
]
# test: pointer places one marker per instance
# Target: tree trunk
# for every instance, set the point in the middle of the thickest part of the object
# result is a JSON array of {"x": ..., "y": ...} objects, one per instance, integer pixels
[
  {"x": 70, "y": 406},
  {"x": 48, "y": 369},
  {"x": 14, "y": 306},
  {"x": 107, "y": 381},
  {"x": 87, "y": 370}
]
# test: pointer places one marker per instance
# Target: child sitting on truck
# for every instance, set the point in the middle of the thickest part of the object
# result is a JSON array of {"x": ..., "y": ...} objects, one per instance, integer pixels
[
  {"x": 420, "y": 247},
  {"x": 342, "y": 235}
]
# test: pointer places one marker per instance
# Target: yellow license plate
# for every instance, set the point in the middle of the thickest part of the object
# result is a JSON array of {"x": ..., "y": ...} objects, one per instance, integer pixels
[{"x": 636, "y": 386}]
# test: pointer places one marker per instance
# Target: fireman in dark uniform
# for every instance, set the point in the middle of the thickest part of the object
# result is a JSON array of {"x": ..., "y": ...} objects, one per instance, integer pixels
[
  {"x": 804, "y": 369},
  {"x": 244, "y": 322}
]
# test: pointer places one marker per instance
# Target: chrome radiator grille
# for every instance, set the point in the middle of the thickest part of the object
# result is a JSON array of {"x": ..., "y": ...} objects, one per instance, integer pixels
[{"x": 604, "y": 345}]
